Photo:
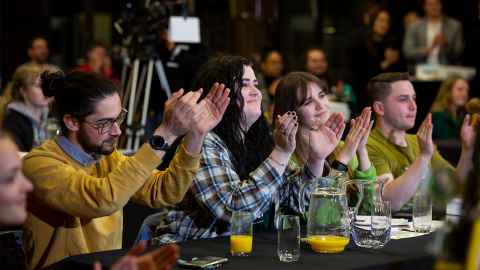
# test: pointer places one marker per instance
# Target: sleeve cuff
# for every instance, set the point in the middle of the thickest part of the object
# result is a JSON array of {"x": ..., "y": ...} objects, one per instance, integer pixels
[
  {"x": 369, "y": 174},
  {"x": 147, "y": 157},
  {"x": 187, "y": 160}
]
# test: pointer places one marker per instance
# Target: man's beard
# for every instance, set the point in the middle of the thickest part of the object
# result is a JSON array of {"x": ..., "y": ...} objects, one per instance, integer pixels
[{"x": 106, "y": 147}]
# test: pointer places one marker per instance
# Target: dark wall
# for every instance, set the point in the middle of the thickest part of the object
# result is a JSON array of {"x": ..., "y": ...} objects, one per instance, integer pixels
[{"x": 19, "y": 22}]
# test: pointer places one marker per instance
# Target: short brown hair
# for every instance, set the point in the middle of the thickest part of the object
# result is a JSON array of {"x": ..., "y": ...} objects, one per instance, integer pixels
[
  {"x": 380, "y": 86},
  {"x": 292, "y": 91}
]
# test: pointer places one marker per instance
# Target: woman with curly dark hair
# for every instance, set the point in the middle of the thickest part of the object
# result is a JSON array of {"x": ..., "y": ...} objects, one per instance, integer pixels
[{"x": 242, "y": 167}]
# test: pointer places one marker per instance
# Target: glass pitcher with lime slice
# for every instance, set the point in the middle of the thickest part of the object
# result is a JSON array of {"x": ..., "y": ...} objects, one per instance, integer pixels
[{"x": 328, "y": 217}]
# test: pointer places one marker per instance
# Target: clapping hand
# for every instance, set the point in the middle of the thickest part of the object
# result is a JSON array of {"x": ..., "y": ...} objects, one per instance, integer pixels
[
  {"x": 284, "y": 135},
  {"x": 177, "y": 116},
  {"x": 365, "y": 123},
  {"x": 210, "y": 110},
  {"x": 357, "y": 136},
  {"x": 468, "y": 133},
  {"x": 159, "y": 259},
  {"x": 424, "y": 137},
  {"x": 324, "y": 140}
]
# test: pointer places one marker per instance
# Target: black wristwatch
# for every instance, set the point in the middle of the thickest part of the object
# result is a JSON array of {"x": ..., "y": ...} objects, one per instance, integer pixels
[
  {"x": 339, "y": 166},
  {"x": 158, "y": 143}
]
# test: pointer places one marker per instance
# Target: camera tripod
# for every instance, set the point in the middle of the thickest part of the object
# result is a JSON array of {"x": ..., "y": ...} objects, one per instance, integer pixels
[{"x": 132, "y": 94}]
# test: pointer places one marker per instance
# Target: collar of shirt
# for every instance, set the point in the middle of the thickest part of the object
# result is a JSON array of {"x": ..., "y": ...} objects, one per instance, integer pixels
[{"x": 75, "y": 152}]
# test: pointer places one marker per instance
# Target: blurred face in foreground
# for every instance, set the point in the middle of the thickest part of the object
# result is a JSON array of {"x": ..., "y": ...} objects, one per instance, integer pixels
[{"x": 14, "y": 187}]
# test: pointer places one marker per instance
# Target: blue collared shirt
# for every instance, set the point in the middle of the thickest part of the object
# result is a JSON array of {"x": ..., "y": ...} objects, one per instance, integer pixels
[{"x": 75, "y": 152}]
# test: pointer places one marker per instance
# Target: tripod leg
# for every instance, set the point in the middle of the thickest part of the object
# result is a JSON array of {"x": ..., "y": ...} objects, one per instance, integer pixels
[
  {"x": 140, "y": 87},
  {"x": 131, "y": 102},
  {"x": 163, "y": 77},
  {"x": 146, "y": 99}
]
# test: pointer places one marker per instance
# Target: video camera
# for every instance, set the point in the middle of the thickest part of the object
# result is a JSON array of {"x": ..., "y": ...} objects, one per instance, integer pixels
[{"x": 141, "y": 26}]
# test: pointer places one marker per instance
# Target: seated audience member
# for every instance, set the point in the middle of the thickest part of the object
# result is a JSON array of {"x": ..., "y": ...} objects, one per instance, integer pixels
[
  {"x": 448, "y": 109},
  {"x": 14, "y": 188},
  {"x": 98, "y": 61},
  {"x": 316, "y": 63},
  {"x": 404, "y": 159},
  {"x": 271, "y": 69},
  {"x": 82, "y": 182},
  {"x": 241, "y": 168},
  {"x": 435, "y": 39},
  {"x": 307, "y": 96},
  {"x": 375, "y": 52},
  {"x": 25, "y": 110},
  {"x": 38, "y": 53}
]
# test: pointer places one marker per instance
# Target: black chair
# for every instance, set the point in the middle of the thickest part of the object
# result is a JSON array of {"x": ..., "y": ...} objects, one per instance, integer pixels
[{"x": 133, "y": 216}]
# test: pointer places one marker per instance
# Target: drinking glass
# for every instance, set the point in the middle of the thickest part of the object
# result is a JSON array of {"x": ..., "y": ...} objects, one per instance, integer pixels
[
  {"x": 288, "y": 240},
  {"x": 373, "y": 231},
  {"x": 381, "y": 223},
  {"x": 241, "y": 227},
  {"x": 422, "y": 212}
]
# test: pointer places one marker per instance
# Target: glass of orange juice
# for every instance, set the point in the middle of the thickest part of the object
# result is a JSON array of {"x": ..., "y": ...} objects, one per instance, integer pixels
[{"x": 241, "y": 227}]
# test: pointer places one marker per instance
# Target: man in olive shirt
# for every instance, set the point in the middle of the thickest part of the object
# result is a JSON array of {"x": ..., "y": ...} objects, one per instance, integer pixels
[{"x": 402, "y": 159}]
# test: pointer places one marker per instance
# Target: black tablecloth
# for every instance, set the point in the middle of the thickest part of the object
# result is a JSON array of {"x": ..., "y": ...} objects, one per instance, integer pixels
[{"x": 398, "y": 254}]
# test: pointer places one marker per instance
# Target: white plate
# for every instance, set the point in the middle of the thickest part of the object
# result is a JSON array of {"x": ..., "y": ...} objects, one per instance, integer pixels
[{"x": 365, "y": 221}]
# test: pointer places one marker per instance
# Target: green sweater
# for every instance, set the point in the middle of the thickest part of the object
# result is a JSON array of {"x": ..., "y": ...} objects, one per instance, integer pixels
[{"x": 445, "y": 126}]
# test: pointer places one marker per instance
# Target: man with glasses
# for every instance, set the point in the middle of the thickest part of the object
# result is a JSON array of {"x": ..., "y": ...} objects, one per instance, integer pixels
[{"x": 82, "y": 182}]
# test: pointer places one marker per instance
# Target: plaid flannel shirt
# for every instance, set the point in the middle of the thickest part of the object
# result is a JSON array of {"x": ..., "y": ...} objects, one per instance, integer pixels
[{"x": 218, "y": 189}]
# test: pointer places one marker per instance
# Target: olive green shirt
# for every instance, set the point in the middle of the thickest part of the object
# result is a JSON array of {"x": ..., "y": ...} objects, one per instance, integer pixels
[{"x": 390, "y": 158}]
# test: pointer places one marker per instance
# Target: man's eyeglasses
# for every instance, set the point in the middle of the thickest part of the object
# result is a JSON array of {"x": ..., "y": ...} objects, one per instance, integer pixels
[{"x": 105, "y": 125}]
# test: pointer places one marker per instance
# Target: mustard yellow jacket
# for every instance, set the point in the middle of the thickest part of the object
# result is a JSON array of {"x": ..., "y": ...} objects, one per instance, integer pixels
[{"x": 77, "y": 209}]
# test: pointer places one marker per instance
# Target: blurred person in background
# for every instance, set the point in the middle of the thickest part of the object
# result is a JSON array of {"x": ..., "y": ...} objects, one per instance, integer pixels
[
  {"x": 448, "y": 109},
  {"x": 24, "y": 108},
  {"x": 271, "y": 69},
  {"x": 98, "y": 61},
  {"x": 38, "y": 53},
  {"x": 376, "y": 52},
  {"x": 434, "y": 39},
  {"x": 316, "y": 63}
]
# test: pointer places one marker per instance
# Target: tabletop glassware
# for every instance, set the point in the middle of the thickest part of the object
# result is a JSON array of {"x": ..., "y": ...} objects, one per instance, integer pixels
[
  {"x": 373, "y": 230},
  {"x": 328, "y": 222},
  {"x": 288, "y": 238},
  {"x": 422, "y": 212},
  {"x": 241, "y": 237}
]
